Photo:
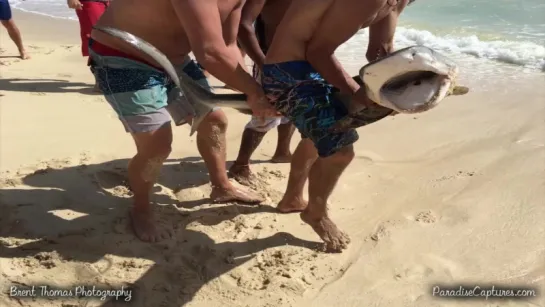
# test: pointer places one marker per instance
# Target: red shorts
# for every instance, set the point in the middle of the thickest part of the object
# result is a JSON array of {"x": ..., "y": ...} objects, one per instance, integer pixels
[{"x": 88, "y": 17}]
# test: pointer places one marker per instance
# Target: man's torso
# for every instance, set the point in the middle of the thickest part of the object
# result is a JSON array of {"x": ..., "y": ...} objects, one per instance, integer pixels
[
  {"x": 155, "y": 22},
  {"x": 271, "y": 15},
  {"x": 299, "y": 26}
]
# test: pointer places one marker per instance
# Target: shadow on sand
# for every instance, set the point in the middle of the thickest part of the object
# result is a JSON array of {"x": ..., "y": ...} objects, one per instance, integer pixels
[
  {"x": 46, "y": 86},
  {"x": 99, "y": 197}
]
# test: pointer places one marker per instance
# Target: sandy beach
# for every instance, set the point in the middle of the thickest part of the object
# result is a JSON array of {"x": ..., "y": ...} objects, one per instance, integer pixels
[{"x": 452, "y": 196}]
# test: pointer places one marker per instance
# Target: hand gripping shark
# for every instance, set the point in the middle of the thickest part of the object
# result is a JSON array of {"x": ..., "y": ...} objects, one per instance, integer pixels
[{"x": 410, "y": 80}]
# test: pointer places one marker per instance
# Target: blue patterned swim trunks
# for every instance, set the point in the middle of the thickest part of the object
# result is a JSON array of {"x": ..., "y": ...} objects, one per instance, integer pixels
[
  {"x": 138, "y": 92},
  {"x": 303, "y": 96}
]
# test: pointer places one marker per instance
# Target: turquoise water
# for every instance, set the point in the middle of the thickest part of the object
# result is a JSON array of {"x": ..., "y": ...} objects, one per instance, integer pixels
[
  {"x": 503, "y": 31},
  {"x": 522, "y": 20}
]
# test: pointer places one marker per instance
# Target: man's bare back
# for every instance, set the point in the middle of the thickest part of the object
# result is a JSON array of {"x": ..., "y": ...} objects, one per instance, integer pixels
[
  {"x": 156, "y": 22},
  {"x": 272, "y": 14},
  {"x": 295, "y": 30},
  {"x": 300, "y": 25}
]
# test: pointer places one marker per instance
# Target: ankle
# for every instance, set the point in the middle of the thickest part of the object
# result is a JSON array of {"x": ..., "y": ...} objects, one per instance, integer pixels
[
  {"x": 241, "y": 164},
  {"x": 291, "y": 198},
  {"x": 312, "y": 215},
  {"x": 282, "y": 153},
  {"x": 221, "y": 184},
  {"x": 141, "y": 206}
]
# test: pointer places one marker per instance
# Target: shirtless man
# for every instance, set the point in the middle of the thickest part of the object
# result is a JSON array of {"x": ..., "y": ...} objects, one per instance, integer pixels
[
  {"x": 300, "y": 57},
  {"x": 138, "y": 89},
  {"x": 265, "y": 15}
]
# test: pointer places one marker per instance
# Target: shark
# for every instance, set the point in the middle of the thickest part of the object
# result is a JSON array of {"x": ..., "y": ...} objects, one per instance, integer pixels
[{"x": 411, "y": 80}]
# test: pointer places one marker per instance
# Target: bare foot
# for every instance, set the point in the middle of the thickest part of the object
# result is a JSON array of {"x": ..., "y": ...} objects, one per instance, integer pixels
[
  {"x": 281, "y": 158},
  {"x": 145, "y": 229},
  {"x": 24, "y": 55},
  {"x": 335, "y": 240},
  {"x": 240, "y": 194},
  {"x": 242, "y": 174},
  {"x": 292, "y": 205}
]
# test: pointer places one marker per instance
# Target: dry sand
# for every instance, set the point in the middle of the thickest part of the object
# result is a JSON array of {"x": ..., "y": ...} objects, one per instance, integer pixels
[{"x": 450, "y": 196}]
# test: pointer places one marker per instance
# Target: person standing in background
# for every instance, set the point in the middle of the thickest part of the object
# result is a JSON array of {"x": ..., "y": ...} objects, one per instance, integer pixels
[
  {"x": 257, "y": 28},
  {"x": 88, "y": 12},
  {"x": 11, "y": 27}
]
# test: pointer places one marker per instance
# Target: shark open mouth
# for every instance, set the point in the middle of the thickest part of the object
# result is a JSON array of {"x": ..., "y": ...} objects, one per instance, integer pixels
[
  {"x": 411, "y": 80},
  {"x": 415, "y": 91}
]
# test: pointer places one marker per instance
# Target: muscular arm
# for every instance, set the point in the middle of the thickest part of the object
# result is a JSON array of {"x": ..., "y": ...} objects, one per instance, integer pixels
[
  {"x": 230, "y": 33},
  {"x": 381, "y": 35},
  {"x": 203, "y": 27},
  {"x": 246, "y": 32},
  {"x": 343, "y": 20}
]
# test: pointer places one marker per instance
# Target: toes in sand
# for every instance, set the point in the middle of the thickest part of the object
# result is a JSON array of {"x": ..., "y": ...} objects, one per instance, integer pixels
[
  {"x": 335, "y": 240},
  {"x": 145, "y": 227},
  {"x": 24, "y": 55}
]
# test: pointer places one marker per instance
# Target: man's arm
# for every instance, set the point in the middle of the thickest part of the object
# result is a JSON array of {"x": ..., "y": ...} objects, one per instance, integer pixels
[
  {"x": 343, "y": 19},
  {"x": 246, "y": 32},
  {"x": 203, "y": 27},
  {"x": 381, "y": 35},
  {"x": 230, "y": 33}
]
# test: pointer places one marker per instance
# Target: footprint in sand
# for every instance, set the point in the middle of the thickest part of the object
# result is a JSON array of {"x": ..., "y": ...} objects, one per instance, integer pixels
[
  {"x": 458, "y": 175},
  {"x": 426, "y": 217},
  {"x": 88, "y": 271},
  {"x": 431, "y": 267},
  {"x": 192, "y": 194},
  {"x": 113, "y": 182},
  {"x": 383, "y": 230}
]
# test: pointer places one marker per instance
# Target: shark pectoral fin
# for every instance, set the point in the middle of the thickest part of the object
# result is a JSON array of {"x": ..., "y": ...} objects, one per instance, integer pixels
[{"x": 201, "y": 111}]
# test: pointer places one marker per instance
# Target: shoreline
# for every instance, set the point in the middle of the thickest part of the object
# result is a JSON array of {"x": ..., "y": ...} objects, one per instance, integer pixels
[
  {"x": 452, "y": 195},
  {"x": 51, "y": 28},
  {"x": 469, "y": 47}
]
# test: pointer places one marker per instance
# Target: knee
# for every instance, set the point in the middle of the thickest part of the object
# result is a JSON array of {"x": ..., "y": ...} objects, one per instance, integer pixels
[
  {"x": 158, "y": 153},
  {"x": 343, "y": 156},
  {"x": 157, "y": 150},
  {"x": 216, "y": 120}
]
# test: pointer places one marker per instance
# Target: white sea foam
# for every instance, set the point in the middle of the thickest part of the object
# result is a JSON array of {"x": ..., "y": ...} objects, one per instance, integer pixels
[{"x": 522, "y": 53}]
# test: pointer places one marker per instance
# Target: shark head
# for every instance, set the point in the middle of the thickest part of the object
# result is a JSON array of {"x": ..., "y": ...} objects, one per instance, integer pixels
[{"x": 410, "y": 80}]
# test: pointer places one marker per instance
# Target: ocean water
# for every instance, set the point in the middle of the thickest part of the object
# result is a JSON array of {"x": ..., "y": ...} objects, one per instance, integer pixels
[{"x": 487, "y": 32}]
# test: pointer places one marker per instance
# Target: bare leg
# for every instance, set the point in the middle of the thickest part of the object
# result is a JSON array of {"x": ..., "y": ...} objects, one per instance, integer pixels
[
  {"x": 323, "y": 177},
  {"x": 240, "y": 170},
  {"x": 211, "y": 143},
  {"x": 303, "y": 158},
  {"x": 283, "y": 152},
  {"x": 152, "y": 150},
  {"x": 15, "y": 36}
]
